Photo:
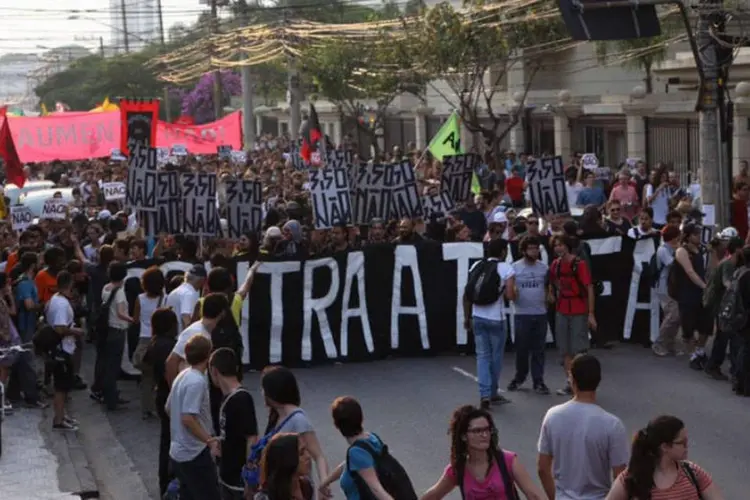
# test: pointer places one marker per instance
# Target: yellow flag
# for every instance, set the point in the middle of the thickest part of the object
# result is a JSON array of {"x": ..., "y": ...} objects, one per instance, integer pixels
[
  {"x": 447, "y": 141},
  {"x": 105, "y": 103},
  {"x": 44, "y": 110}
]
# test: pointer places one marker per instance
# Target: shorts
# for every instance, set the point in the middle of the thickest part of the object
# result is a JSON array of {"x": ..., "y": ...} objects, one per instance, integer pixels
[
  {"x": 694, "y": 318},
  {"x": 572, "y": 333},
  {"x": 63, "y": 372}
]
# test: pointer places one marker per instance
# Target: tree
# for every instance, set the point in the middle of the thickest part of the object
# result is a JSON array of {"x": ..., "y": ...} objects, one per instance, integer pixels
[
  {"x": 339, "y": 69},
  {"x": 642, "y": 54},
  {"x": 199, "y": 102},
  {"x": 473, "y": 51},
  {"x": 88, "y": 80},
  {"x": 414, "y": 7}
]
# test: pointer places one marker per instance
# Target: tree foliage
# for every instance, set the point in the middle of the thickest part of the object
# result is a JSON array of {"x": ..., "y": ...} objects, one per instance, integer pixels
[
  {"x": 474, "y": 51},
  {"x": 88, "y": 80},
  {"x": 340, "y": 71},
  {"x": 199, "y": 102}
]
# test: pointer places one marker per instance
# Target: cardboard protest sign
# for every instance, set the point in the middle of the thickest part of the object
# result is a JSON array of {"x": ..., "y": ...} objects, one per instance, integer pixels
[
  {"x": 114, "y": 191},
  {"x": 54, "y": 209},
  {"x": 244, "y": 204},
  {"x": 140, "y": 190},
  {"x": 21, "y": 217},
  {"x": 199, "y": 213},
  {"x": 458, "y": 171},
  {"x": 329, "y": 195},
  {"x": 546, "y": 180}
]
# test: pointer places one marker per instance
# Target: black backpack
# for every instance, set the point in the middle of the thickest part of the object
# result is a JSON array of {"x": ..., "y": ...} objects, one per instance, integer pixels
[
  {"x": 511, "y": 493},
  {"x": 101, "y": 326},
  {"x": 227, "y": 334},
  {"x": 390, "y": 472},
  {"x": 45, "y": 340},
  {"x": 733, "y": 314},
  {"x": 483, "y": 285}
]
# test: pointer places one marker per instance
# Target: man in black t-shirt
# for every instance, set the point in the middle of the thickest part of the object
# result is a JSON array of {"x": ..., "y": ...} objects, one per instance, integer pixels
[{"x": 238, "y": 427}]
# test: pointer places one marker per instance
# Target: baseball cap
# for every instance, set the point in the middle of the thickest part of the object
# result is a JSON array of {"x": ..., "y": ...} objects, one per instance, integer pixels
[
  {"x": 104, "y": 215},
  {"x": 499, "y": 218},
  {"x": 198, "y": 271}
]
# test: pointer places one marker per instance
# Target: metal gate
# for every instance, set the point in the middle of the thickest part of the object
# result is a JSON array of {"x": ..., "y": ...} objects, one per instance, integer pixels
[{"x": 675, "y": 142}]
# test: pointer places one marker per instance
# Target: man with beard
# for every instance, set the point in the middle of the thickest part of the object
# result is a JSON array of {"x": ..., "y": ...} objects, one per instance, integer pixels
[{"x": 406, "y": 233}]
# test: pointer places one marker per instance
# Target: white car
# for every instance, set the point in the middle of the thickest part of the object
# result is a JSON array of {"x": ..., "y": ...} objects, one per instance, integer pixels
[
  {"x": 13, "y": 192},
  {"x": 34, "y": 200}
]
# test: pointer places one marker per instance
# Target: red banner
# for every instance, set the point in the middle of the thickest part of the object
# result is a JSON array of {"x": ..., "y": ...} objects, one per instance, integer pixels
[
  {"x": 95, "y": 135},
  {"x": 139, "y": 118}
]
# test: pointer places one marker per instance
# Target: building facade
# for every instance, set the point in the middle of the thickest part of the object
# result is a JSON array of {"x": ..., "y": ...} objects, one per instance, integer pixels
[{"x": 138, "y": 18}]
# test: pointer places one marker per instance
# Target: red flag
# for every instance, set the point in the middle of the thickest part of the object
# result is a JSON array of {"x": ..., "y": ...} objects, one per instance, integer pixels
[
  {"x": 3, "y": 111},
  {"x": 13, "y": 166},
  {"x": 311, "y": 135}
]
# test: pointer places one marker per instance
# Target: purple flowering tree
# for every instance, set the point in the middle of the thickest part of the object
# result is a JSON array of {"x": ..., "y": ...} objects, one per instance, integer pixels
[{"x": 199, "y": 102}]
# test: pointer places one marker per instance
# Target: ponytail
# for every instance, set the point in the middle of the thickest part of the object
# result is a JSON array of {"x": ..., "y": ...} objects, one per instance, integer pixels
[{"x": 639, "y": 480}]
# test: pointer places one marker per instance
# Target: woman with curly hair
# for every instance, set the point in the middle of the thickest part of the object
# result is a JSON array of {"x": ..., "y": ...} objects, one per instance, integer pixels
[
  {"x": 285, "y": 469},
  {"x": 478, "y": 466},
  {"x": 658, "y": 469}
]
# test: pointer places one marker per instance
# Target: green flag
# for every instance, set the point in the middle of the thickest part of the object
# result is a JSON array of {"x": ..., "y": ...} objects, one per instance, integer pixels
[{"x": 447, "y": 142}]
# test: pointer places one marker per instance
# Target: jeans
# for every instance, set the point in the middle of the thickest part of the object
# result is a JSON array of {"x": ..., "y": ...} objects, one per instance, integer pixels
[
  {"x": 489, "y": 339},
  {"x": 198, "y": 477},
  {"x": 719, "y": 351},
  {"x": 531, "y": 337},
  {"x": 165, "y": 438},
  {"x": 23, "y": 374},
  {"x": 112, "y": 349}
]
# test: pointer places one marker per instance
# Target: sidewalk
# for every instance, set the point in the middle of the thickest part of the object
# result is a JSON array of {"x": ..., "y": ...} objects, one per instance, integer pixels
[{"x": 37, "y": 463}]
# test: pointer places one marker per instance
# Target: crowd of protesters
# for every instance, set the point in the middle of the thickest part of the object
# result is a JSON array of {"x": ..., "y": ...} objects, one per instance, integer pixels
[{"x": 64, "y": 284}]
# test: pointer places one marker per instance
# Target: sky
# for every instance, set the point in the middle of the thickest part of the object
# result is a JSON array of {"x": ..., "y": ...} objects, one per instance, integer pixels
[{"x": 35, "y": 26}]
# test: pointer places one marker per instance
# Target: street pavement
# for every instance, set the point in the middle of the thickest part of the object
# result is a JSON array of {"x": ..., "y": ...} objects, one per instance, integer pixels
[{"x": 408, "y": 402}]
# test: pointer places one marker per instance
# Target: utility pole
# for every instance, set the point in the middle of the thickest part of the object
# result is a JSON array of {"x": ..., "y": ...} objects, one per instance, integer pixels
[
  {"x": 101, "y": 46},
  {"x": 293, "y": 90},
  {"x": 714, "y": 190},
  {"x": 217, "y": 72},
  {"x": 125, "y": 33},
  {"x": 248, "y": 111},
  {"x": 167, "y": 106}
]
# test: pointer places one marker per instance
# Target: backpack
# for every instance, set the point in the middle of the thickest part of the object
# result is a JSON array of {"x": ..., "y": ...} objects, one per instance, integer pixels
[
  {"x": 251, "y": 471},
  {"x": 45, "y": 340},
  {"x": 732, "y": 315},
  {"x": 483, "y": 285},
  {"x": 101, "y": 327},
  {"x": 674, "y": 279},
  {"x": 227, "y": 334},
  {"x": 390, "y": 472},
  {"x": 652, "y": 271},
  {"x": 555, "y": 273},
  {"x": 511, "y": 493}
]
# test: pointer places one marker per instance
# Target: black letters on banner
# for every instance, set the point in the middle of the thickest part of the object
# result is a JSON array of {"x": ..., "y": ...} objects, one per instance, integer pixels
[
  {"x": 405, "y": 200},
  {"x": 166, "y": 219},
  {"x": 329, "y": 194},
  {"x": 403, "y": 300},
  {"x": 199, "y": 214},
  {"x": 339, "y": 158},
  {"x": 546, "y": 178},
  {"x": 457, "y": 173},
  {"x": 437, "y": 205},
  {"x": 140, "y": 189},
  {"x": 371, "y": 193},
  {"x": 244, "y": 207}
]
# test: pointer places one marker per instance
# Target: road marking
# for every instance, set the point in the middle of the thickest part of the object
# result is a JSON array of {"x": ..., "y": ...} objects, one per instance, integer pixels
[{"x": 469, "y": 375}]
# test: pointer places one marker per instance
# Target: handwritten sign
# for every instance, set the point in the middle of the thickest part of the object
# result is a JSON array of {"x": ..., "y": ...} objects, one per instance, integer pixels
[
  {"x": 244, "y": 207},
  {"x": 140, "y": 191},
  {"x": 458, "y": 171},
  {"x": 114, "y": 191},
  {"x": 179, "y": 150},
  {"x": 199, "y": 214},
  {"x": 54, "y": 209},
  {"x": 329, "y": 194},
  {"x": 590, "y": 161},
  {"x": 546, "y": 179},
  {"x": 21, "y": 217}
]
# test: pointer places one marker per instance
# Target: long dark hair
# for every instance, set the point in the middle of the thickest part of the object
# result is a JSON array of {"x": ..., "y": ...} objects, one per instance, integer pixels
[
  {"x": 280, "y": 386},
  {"x": 458, "y": 429},
  {"x": 645, "y": 454},
  {"x": 279, "y": 466}
]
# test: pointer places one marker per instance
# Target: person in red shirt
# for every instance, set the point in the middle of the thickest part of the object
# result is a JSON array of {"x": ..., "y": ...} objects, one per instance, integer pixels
[
  {"x": 740, "y": 211},
  {"x": 514, "y": 187},
  {"x": 572, "y": 291}
]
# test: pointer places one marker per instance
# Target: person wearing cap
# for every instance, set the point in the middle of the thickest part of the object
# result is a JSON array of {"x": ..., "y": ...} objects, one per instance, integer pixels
[
  {"x": 182, "y": 300},
  {"x": 685, "y": 284},
  {"x": 670, "y": 323},
  {"x": 498, "y": 227}
]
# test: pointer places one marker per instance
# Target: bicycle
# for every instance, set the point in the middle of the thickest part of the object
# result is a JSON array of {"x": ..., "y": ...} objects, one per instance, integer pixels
[{"x": 4, "y": 352}]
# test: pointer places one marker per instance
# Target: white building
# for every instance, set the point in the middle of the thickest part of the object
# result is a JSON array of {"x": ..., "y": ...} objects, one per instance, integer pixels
[{"x": 141, "y": 24}]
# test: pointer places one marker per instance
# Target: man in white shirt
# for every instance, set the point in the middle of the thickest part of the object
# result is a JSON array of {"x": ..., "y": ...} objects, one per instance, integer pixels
[
  {"x": 587, "y": 446},
  {"x": 59, "y": 315},
  {"x": 182, "y": 300},
  {"x": 215, "y": 306},
  {"x": 487, "y": 321}
]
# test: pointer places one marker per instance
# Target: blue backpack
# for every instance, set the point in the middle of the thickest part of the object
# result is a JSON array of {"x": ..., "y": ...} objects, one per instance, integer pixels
[{"x": 251, "y": 472}]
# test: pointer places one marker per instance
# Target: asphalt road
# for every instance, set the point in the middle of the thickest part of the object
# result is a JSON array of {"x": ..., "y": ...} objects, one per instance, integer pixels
[{"x": 408, "y": 402}]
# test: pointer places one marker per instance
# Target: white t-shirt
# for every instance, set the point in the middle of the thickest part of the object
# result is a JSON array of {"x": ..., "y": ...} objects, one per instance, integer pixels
[
  {"x": 148, "y": 306},
  {"x": 182, "y": 300},
  {"x": 114, "y": 320},
  {"x": 196, "y": 328},
  {"x": 496, "y": 310},
  {"x": 573, "y": 192},
  {"x": 59, "y": 312}
]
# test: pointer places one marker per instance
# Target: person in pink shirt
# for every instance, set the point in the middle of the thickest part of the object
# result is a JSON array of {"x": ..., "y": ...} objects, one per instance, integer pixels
[
  {"x": 626, "y": 194},
  {"x": 479, "y": 467}
]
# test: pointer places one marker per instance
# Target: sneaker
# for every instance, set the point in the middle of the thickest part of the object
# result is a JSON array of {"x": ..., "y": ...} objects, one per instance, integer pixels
[
  {"x": 485, "y": 404},
  {"x": 499, "y": 400},
  {"x": 8, "y": 409},
  {"x": 716, "y": 374},
  {"x": 565, "y": 391},
  {"x": 79, "y": 384},
  {"x": 659, "y": 350},
  {"x": 698, "y": 363},
  {"x": 65, "y": 426},
  {"x": 513, "y": 386},
  {"x": 96, "y": 396},
  {"x": 71, "y": 420},
  {"x": 541, "y": 388}
]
